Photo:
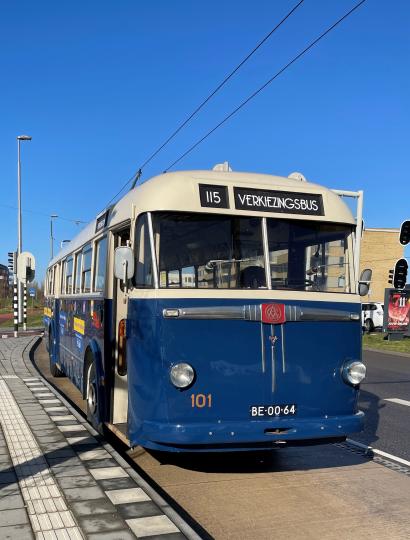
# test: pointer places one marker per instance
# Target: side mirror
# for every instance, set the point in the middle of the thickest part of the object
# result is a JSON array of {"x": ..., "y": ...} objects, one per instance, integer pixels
[
  {"x": 364, "y": 281},
  {"x": 123, "y": 263}
]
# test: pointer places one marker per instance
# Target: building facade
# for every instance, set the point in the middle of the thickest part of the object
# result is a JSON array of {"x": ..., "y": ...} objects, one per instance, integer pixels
[
  {"x": 4, "y": 281},
  {"x": 380, "y": 250}
]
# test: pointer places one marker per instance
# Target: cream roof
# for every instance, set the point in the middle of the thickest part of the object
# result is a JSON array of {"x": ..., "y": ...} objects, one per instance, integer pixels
[{"x": 179, "y": 191}]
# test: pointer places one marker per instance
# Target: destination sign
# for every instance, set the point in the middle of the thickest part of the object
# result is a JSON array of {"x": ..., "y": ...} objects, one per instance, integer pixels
[
  {"x": 213, "y": 196},
  {"x": 101, "y": 221},
  {"x": 266, "y": 200}
]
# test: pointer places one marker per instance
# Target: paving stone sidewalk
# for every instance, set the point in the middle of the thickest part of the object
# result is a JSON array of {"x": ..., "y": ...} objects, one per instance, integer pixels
[{"x": 58, "y": 478}]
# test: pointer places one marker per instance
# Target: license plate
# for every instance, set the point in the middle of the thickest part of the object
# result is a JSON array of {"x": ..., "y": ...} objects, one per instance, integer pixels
[{"x": 260, "y": 411}]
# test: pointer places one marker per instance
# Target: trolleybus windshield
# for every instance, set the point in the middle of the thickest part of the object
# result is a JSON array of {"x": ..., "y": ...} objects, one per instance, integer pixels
[{"x": 227, "y": 252}]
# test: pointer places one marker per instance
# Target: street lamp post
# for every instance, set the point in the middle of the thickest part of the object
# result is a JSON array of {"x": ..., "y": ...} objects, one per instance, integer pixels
[
  {"x": 53, "y": 216},
  {"x": 19, "y": 225}
]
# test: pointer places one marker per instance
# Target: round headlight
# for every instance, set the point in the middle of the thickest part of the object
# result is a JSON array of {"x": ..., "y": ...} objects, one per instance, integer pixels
[
  {"x": 354, "y": 372},
  {"x": 182, "y": 375}
]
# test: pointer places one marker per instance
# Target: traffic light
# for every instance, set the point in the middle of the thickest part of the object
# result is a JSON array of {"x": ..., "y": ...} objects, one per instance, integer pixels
[
  {"x": 12, "y": 261},
  {"x": 404, "y": 237},
  {"x": 398, "y": 275}
]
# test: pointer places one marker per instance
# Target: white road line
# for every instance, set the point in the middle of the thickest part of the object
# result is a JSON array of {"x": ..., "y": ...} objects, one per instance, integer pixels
[
  {"x": 379, "y": 452},
  {"x": 399, "y": 401}
]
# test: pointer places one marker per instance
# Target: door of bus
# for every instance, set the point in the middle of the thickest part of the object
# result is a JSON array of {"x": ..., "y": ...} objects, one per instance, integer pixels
[{"x": 120, "y": 304}]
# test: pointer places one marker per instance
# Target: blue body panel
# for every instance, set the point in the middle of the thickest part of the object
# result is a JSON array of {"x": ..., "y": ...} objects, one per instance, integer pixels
[
  {"x": 305, "y": 369},
  {"x": 72, "y": 342}
]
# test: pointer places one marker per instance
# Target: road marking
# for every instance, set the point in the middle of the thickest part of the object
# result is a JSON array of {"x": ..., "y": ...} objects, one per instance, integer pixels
[
  {"x": 399, "y": 401},
  {"x": 379, "y": 452}
]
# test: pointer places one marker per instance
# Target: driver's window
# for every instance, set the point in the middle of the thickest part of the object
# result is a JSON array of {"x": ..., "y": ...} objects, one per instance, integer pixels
[{"x": 143, "y": 277}]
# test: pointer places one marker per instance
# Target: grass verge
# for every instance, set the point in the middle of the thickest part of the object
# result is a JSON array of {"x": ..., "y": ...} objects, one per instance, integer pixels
[
  {"x": 34, "y": 318},
  {"x": 376, "y": 341}
]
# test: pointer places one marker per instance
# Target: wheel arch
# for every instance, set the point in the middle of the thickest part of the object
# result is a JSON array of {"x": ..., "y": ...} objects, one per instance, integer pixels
[{"x": 93, "y": 355}]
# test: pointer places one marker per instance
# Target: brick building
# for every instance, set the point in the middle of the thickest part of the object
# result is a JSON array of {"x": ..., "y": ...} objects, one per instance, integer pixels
[
  {"x": 380, "y": 250},
  {"x": 4, "y": 281}
]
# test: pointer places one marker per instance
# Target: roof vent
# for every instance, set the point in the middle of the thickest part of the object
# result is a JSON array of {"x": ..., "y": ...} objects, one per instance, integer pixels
[
  {"x": 222, "y": 167},
  {"x": 297, "y": 176}
]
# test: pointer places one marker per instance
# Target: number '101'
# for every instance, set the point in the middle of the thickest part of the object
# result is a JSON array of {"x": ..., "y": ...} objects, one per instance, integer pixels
[{"x": 200, "y": 401}]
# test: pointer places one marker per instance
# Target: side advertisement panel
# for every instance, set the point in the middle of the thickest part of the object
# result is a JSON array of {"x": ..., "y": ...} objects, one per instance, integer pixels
[{"x": 396, "y": 310}]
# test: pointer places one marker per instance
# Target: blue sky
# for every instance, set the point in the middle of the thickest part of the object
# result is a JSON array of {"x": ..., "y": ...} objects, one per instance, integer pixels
[{"x": 99, "y": 85}]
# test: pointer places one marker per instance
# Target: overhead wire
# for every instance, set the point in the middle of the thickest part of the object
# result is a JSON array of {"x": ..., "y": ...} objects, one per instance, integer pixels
[
  {"x": 267, "y": 83},
  {"x": 137, "y": 175},
  {"x": 220, "y": 85},
  {"x": 24, "y": 210}
]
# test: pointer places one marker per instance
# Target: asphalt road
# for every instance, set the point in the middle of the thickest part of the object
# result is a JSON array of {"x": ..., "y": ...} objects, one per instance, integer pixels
[{"x": 387, "y": 425}]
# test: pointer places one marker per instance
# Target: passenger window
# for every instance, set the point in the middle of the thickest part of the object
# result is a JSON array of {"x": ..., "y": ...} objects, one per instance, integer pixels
[
  {"x": 69, "y": 276},
  {"x": 143, "y": 277},
  {"x": 86, "y": 268},
  {"x": 100, "y": 266},
  {"x": 48, "y": 283},
  {"x": 51, "y": 281},
  {"x": 63, "y": 273},
  {"x": 78, "y": 273}
]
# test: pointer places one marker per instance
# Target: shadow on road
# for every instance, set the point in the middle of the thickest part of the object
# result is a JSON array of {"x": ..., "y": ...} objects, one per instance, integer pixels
[
  {"x": 300, "y": 458},
  {"x": 370, "y": 404}
]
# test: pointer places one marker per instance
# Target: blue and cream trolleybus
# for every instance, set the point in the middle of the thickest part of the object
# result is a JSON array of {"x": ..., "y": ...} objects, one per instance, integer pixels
[{"x": 214, "y": 310}]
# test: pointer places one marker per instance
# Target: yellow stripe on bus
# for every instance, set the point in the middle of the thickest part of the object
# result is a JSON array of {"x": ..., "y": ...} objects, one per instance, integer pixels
[
  {"x": 79, "y": 326},
  {"x": 48, "y": 312}
]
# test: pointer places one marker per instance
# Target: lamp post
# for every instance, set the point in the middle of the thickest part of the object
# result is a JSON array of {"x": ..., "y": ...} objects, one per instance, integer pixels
[
  {"x": 53, "y": 216},
  {"x": 19, "y": 225}
]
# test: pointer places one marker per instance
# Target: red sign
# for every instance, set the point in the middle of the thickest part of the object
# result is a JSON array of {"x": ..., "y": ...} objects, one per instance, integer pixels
[
  {"x": 273, "y": 313},
  {"x": 398, "y": 311}
]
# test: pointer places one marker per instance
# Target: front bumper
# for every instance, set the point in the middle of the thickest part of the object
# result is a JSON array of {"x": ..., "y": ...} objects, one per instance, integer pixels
[{"x": 245, "y": 435}]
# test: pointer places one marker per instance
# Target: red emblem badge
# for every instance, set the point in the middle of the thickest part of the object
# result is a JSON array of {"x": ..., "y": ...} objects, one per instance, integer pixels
[{"x": 273, "y": 313}]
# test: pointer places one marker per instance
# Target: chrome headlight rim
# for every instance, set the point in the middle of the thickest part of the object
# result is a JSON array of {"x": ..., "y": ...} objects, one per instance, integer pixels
[
  {"x": 182, "y": 375},
  {"x": 348, "y": 369}
]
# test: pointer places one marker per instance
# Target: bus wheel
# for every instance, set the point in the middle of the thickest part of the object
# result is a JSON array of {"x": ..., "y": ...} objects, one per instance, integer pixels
[
  {"x": 92, "y": 397},
  {"x": 369, "y": 325},
  {"x": 54, "y": 370}
]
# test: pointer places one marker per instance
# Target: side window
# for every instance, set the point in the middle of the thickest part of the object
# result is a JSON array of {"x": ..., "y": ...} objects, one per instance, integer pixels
[
  {"x": 69, "y": 276},
  {"x": 50, "y": 287},
  {"x": 47, "y": 287},
  {"x": 57, "y": 278},
  {"x": 100, "y": 265},
  {"x": 143, "y": 277},
  {"x": 63, "y": 273},
  {"x": 77, "y": 286},
  {"x": 86, "y": 268}
]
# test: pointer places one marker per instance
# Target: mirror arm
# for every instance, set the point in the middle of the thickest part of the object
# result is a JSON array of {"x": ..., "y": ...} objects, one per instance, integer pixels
[{"x": 125, "y": 265}]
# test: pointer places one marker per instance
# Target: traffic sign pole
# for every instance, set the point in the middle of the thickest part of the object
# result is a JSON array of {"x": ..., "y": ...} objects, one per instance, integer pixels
[
  {"x": 15, "y": 306},
  {"x": 25, "y": 308}
]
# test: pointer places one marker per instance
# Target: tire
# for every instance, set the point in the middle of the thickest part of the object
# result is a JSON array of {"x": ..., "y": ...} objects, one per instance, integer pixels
[
  {"x": 54, "y": 370},
  {"x": 368, "y": 323},
  {"x": 91, "y": 397}
]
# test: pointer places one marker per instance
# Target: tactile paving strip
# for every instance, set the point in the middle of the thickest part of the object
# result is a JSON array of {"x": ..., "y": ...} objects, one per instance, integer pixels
[{"x": 46, "y": 506}]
